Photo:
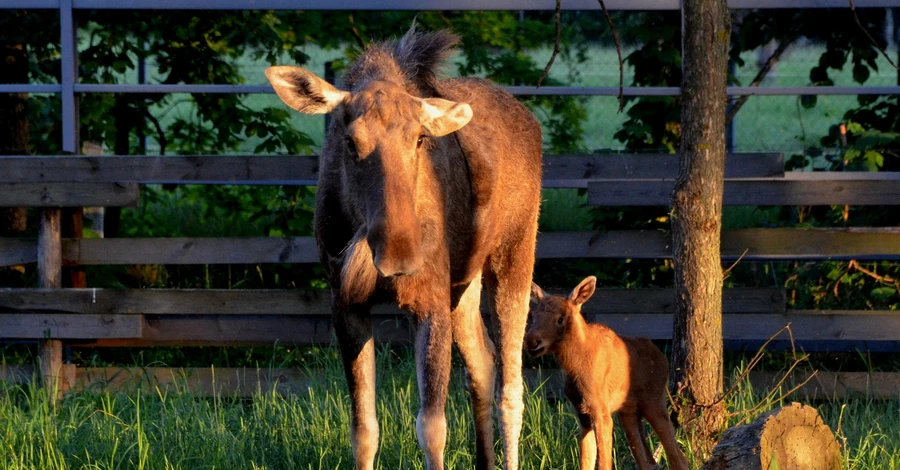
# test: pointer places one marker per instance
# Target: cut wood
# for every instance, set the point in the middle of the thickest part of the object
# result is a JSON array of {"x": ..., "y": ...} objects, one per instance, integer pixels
[{"x": 792, "y": 437}]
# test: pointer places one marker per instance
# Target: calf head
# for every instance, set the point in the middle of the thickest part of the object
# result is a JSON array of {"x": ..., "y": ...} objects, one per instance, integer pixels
[
  {"x": 382, "y": 132},
  {"x": 551, "y": 316}
]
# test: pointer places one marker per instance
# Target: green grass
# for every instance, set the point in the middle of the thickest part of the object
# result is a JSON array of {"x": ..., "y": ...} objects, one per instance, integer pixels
[{"x": 172, "y": 429}]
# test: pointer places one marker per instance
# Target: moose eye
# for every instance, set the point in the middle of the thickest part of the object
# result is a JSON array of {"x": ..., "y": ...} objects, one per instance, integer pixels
[
  {"x": 351, "y": 145},
  {"x": 419, "y": 142},
  {"x": 559, "y": 321}
]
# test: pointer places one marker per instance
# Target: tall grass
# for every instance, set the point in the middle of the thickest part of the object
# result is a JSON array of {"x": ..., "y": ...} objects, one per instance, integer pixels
[{"x": 171, "y": 429}]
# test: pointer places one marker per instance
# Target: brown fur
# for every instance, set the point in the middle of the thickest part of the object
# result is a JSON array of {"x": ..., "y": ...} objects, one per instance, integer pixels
[
  {"x": 605, "y": 374},
  {"x": 427, "y": 188}
]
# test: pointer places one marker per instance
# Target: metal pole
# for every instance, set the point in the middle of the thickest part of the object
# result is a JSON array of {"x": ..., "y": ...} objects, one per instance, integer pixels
[{"x": 68, "y": 77}]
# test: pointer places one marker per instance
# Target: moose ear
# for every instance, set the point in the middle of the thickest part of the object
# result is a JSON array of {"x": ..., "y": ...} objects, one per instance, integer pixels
[
  {"x": 537, "y": 294},
  {"x": 440, "y": 117},
  {"x": 303, "y": 90},
  {"x": 584, "y": 290}
]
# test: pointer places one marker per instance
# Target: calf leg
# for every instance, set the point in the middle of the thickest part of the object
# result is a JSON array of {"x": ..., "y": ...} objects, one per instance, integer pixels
[
  {"x": 433, "y": 346},
  {"x": 477, "y": 351},
  {"x": 631, "y": 424},
  {"x": 353, "y": 327},
  {"x": 604, "y": 433},
  {"x": 587, "y": 442},
  {"x": 658, "y": 417}
]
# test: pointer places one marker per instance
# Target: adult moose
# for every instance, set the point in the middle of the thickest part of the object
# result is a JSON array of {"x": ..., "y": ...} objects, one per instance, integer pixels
[{"x": 427, "y": 188}]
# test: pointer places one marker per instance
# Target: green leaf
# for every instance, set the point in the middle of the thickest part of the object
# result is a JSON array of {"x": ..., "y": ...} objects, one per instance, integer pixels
[
  {"x": 860, "y": 73},
  {"x": 883, "y": 294},
  {"x": 874, "y": 158},
  {"x": 809, "y": 101}
]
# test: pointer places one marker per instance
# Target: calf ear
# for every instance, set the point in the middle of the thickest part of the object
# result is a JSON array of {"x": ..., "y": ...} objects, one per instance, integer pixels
[
  {"x": 584, "y": 290},
  {"x": 440, "y": 117},
  {"x": 537, "y": 294},
  {"x": 303, "y": 90}
]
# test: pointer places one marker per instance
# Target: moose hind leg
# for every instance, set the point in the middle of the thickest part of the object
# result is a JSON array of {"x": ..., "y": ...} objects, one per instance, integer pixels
[
  {"x": 509, "y": 286},
  {"x": 353, "y": 328},
  {"x": 658, "y": 417},
  {"x": 477, "y": 351},
  {"x": 433, "y": 347}
]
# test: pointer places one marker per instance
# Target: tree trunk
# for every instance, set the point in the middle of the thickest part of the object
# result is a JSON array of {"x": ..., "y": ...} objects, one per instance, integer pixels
[
  {"x": 13, "y": 126},
  {"x": 790, "y": 437},
  {"x": 696, "y": 224}
]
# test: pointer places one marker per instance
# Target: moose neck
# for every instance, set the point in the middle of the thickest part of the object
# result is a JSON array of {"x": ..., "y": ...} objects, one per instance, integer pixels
[{"x": 571, "y": 349}]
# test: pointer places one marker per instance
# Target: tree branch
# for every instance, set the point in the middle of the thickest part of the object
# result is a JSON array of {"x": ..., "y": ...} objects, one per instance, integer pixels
[
  {"x": 866, "y": 32},
  {"x": 770, "y": 62},
  {"x": 555, "y": 45},
  {"x": 619, "y": 53},
  {"x": 159, "y": 132}
]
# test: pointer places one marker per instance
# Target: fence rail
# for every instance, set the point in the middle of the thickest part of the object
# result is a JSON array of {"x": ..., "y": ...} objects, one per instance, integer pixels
[
  {"x": 295, "y": 302},
  {"x": 559, "y": 170},
  {"x": 838, "y": 330},
  {"x": 782, "y": 244}
]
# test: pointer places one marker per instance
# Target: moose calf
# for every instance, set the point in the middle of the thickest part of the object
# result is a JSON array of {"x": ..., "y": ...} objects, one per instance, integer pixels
[{"x": 605, "y": 374}]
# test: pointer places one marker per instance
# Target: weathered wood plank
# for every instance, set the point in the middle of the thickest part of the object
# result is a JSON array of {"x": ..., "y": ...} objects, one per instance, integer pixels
[
  {"x": 825, "y": 385},
  {"x": 754, "y": 192},
  {"x": 200, "y": 169},
  {"x": 228, "y": 330},
  {"x": 295, "y": 302},
  {"x": 881, "y": 243},
  {"x": 566, "y": 171},
  {"x": 829, "y": 385},
  {"x": 559, "y": 170},
  {"x": 864, "y": 243},
  {"x": 16, "y": 251},
  {"x": 68, "y": 326},
  {"x": 620, "y": 244},
  {"x": 192, "y": 250},
  {"x": 69, "y": 194}
]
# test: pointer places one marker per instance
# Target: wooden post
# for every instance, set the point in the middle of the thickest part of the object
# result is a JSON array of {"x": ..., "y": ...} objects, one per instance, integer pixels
[
  {"x": 50, "y": 276},
  {"x": 72, "y": 226}
]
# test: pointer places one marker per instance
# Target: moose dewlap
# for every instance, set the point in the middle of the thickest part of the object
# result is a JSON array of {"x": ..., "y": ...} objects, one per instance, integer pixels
[{"x": 605, "y": 374}]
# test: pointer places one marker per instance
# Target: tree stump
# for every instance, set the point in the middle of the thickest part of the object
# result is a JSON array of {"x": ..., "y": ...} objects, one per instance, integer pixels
[{"x": 792, "y": 437}]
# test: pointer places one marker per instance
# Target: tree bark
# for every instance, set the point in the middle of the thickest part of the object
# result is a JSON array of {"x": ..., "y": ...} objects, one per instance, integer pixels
[
  {"x": 696, "y": 224},
  {"x": 792, "y": 437},
  {"x": 13, "y": 126}
]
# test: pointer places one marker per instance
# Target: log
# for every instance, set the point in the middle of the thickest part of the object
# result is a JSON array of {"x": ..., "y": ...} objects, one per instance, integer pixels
[{"x": 792, "y": 437}]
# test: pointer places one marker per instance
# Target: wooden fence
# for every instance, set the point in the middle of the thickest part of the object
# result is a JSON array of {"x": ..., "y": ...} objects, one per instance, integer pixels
[{"x": 85, "y": 317}]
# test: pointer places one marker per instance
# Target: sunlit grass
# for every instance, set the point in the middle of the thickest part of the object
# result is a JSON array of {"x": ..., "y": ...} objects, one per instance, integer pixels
[{"x": 172, "y": 429}]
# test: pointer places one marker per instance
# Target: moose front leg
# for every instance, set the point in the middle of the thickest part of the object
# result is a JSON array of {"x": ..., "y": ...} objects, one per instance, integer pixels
[
  {"x": 433, "y": 346},
  {"x": 353, "y": 327}
]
